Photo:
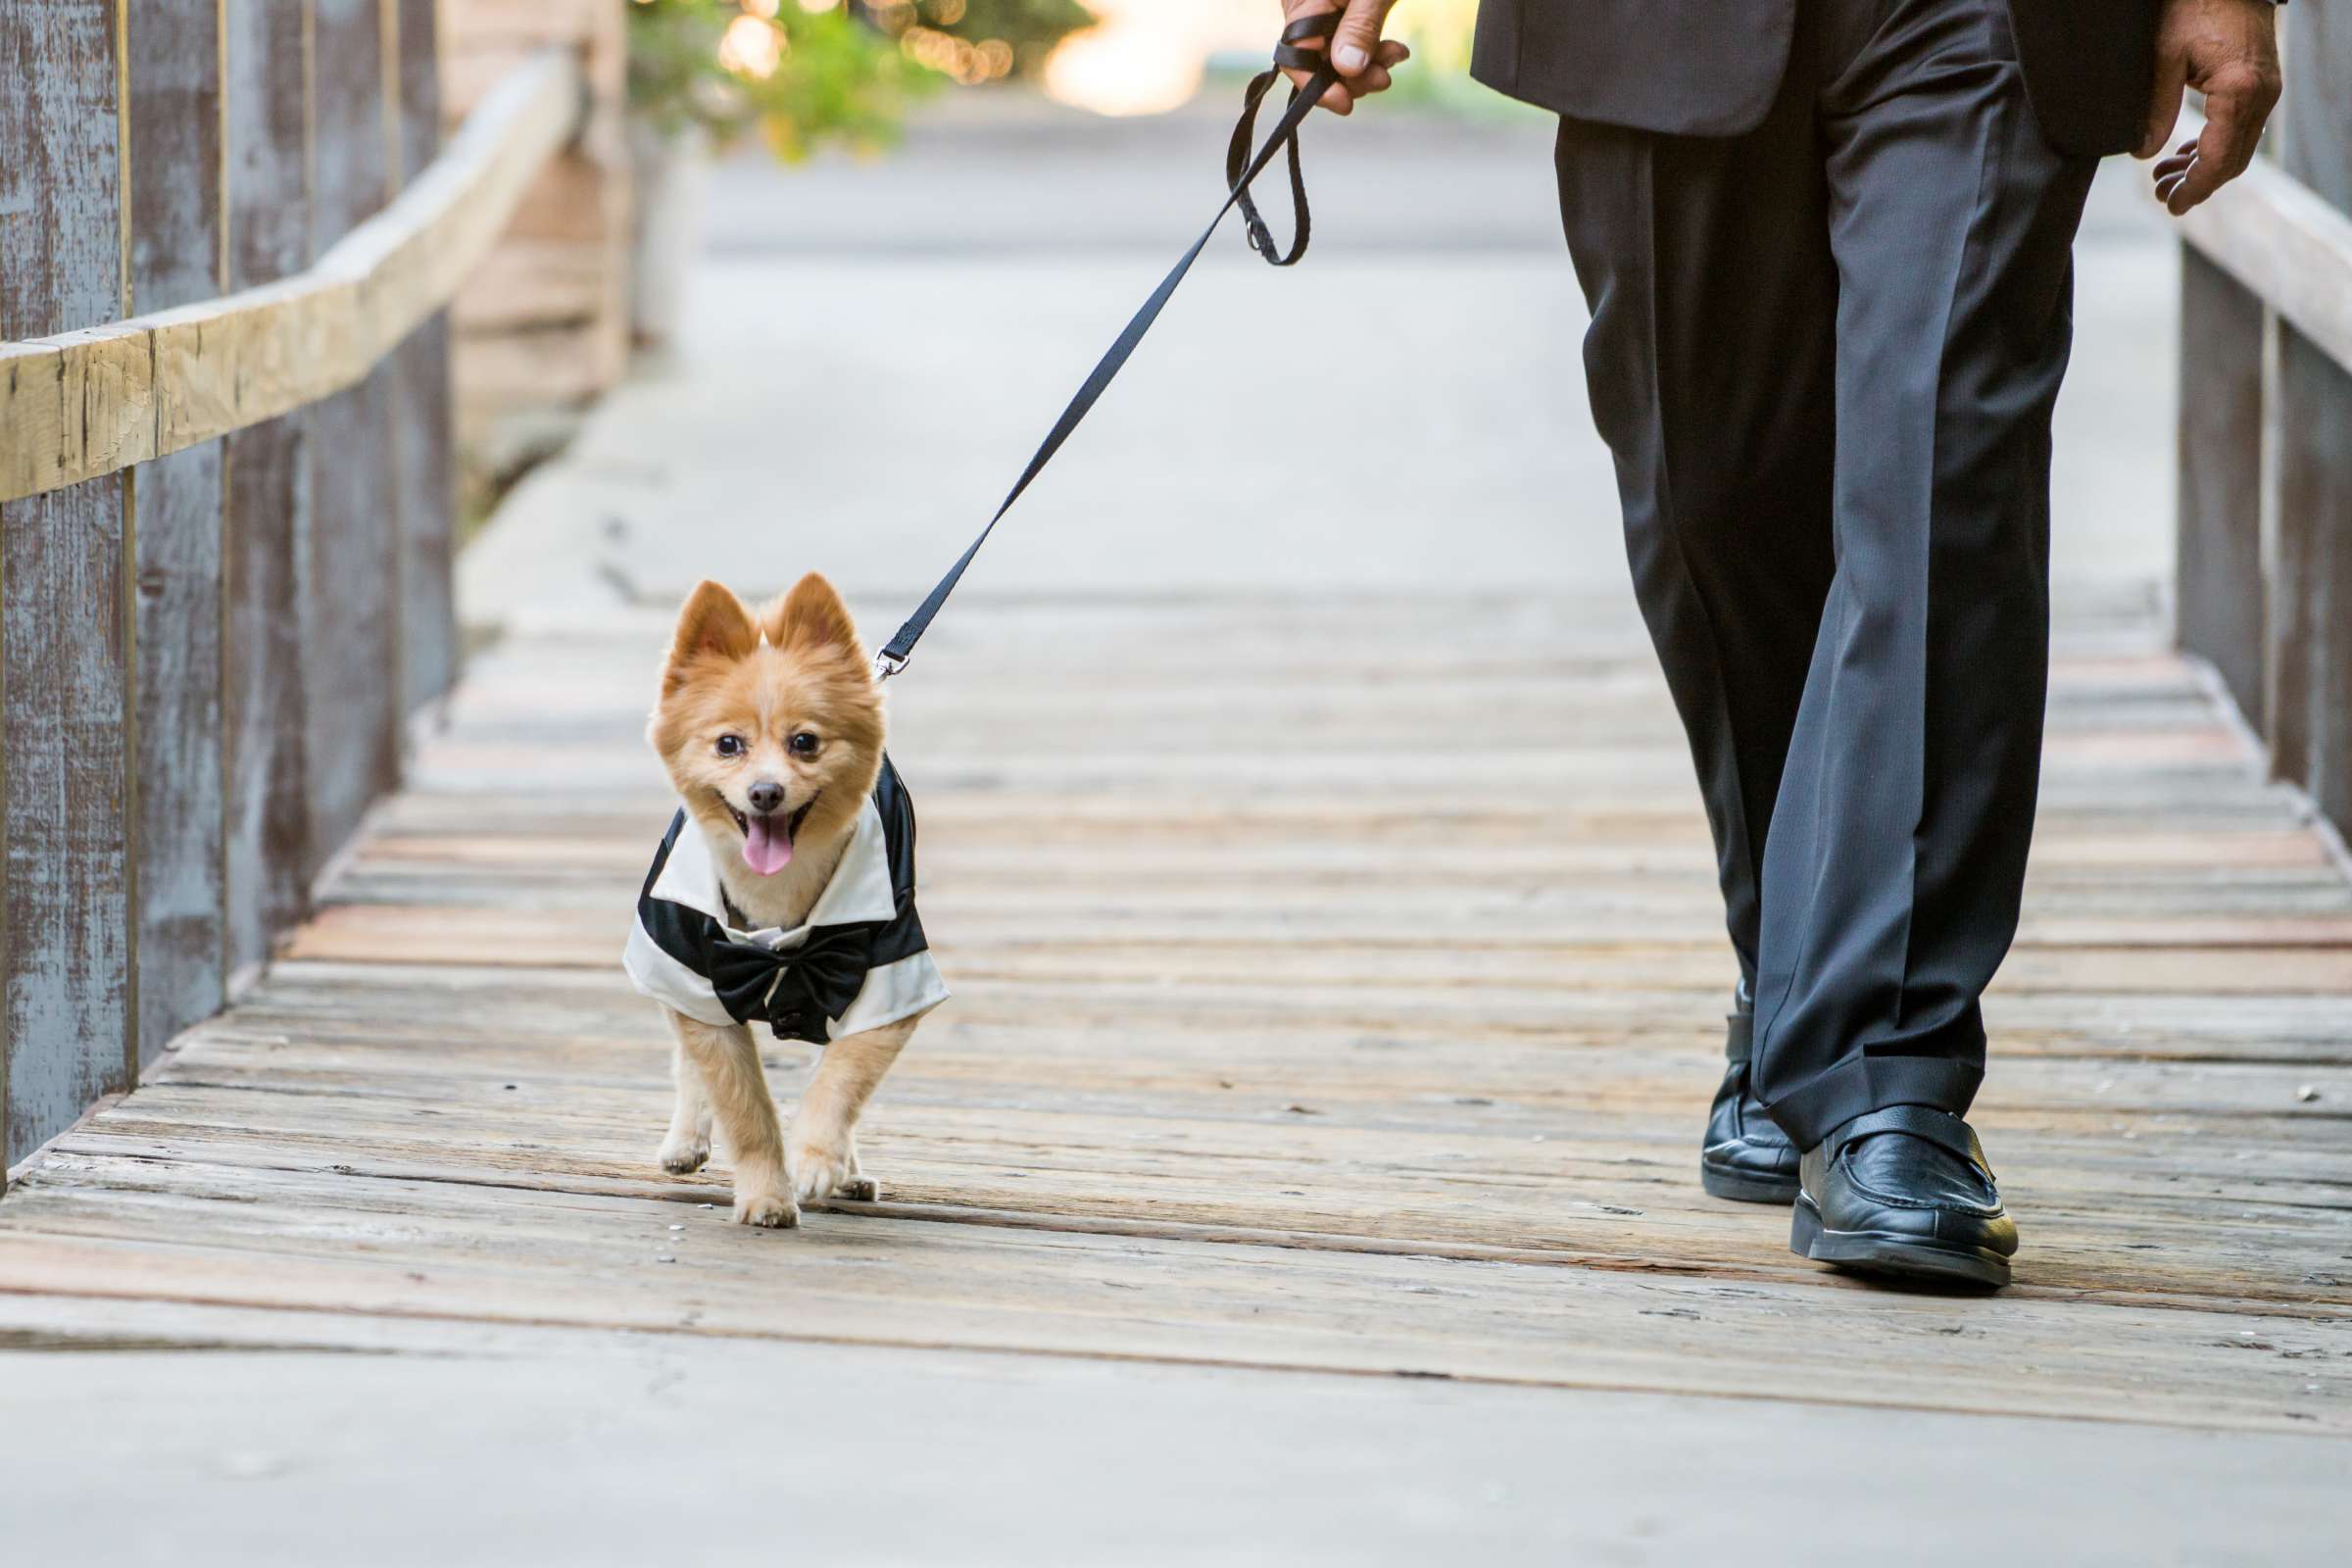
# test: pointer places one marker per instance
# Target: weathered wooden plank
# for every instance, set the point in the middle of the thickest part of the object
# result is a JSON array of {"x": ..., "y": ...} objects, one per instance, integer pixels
[
  {"x": 69, "y": 948},
  {"x": 113, "y": 1227},
  {"x": 177, "y": 258},
  {"x": 1232, "y": 1090},
  {"x": 2200, "y": 1116},
  {"x": 2217, "y": 804},
  {"x": 425, "y": 472},
  {"x": 94, "y": 401},
  {"x": 1593, "y": 1193},
  {"x": 1594, "y": 1198},
  {"x": 2078, "y": 1022},
  {"x": 1407, "y": 1157},
  {"x": 267, "y": 829},
  {"x": 350, "y": 593}
]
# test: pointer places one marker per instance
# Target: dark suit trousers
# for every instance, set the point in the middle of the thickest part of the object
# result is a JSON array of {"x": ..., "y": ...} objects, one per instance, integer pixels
[{"x": 1824, "y": 354}]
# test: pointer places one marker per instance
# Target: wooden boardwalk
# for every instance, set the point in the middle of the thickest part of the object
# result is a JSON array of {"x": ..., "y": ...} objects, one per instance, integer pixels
[{"x": 1337, "y": 987}]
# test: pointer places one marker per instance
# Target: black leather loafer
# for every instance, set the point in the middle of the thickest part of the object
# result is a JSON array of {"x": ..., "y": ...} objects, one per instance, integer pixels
[
  {"x": 1905, "y": 1191},
  {"x": 1746, "y": 1157}
]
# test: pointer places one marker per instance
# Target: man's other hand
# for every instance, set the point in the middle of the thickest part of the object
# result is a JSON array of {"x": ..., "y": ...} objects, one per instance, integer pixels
[
  {"x": 2229, "y": 51},
  {"x": 1363, "y": 57}
]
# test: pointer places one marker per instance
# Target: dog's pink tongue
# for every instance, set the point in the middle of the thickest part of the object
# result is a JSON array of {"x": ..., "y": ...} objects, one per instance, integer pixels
[{"x": 766, "y": 849}]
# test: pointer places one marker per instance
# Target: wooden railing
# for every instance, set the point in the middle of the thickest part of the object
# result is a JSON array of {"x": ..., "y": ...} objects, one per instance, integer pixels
[
  {"x": 85, "y": 403},
  {"x": 226, "y": 520},
  {"x": 2265, "y": 575}
]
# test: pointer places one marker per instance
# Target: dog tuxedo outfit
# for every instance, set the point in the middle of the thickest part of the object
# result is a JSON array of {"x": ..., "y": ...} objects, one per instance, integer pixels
[{"x": 857, "y": 962}]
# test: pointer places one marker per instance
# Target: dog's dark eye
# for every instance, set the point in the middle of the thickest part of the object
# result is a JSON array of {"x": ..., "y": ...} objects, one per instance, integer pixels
[
  {"x": 804, "y": 744},
  {"x": 730, "y": 746}
]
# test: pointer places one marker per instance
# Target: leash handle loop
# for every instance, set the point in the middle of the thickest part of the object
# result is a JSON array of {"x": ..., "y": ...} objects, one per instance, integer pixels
[
  {"x": 1240, "y": 168},
  {"x": 1288, "y": 56}
]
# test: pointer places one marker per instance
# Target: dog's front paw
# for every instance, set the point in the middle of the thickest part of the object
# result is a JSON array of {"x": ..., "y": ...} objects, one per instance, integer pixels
[
  {"x": 824, "y": 1164},
  {"x": 684, "y": 1153},
  {"x": 768, "y": 1205}
]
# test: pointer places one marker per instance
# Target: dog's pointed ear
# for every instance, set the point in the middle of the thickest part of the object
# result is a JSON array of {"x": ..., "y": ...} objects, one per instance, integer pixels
[
  {"x": 811, "y": 616},
  {"x": 713, "y": 624}
]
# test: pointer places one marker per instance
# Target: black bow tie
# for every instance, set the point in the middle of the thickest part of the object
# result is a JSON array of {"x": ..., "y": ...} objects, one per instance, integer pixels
[{"x": 797, "y": 991}]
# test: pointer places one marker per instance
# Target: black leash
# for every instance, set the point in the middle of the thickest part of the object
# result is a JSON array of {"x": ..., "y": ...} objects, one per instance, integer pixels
[{"x": 1240, "y": 169}]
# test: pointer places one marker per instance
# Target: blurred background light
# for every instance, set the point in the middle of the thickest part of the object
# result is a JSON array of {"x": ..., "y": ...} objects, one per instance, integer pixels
[
  {"x": 751, "y": 47},
  {"x": 1148, "y": 55}
]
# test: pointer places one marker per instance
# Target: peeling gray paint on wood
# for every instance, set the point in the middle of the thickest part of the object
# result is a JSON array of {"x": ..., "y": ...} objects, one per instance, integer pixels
[
  {"x": 350, "y": 658},
  {"x": 424, "y": 460},
  {"x": 269, "y": 499},
  {"x": 2221, "y": 600},
  {"x": 425, "y": 467},
  {"x": 2314, "y": 116},
  {"x": 2314, "y": 467},
  {"x": 67, "y": 953},
  {"x": 2265, "y": 567},
  {"x": 204, "y": 662},
  {"x": 2313, "y": 464},
  {"x": 175, "y": 227}
]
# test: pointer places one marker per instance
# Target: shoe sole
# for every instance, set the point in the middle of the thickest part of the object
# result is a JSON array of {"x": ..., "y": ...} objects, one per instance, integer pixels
[
  {"x": 1741, "y": 1188},
  {"x": 1900, "y": 1256}
]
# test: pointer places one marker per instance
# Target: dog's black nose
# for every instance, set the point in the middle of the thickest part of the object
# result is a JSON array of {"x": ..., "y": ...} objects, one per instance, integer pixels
[{"x": 765, "y": 796}]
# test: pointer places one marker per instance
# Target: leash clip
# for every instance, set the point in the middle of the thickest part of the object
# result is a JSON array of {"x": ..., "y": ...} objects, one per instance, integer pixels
[{"x": 887, "y": 664}]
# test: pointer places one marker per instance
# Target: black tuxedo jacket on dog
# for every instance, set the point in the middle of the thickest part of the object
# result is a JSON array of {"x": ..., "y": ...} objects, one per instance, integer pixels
[
  {"x": 857, "y": 962},
  {"x": 1712, "y": 67}
]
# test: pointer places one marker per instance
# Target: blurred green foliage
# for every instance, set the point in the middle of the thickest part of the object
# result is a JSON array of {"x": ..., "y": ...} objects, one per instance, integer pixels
[
  {"x": 976, "y": 41},
  {"x": 797, "y": 77},
  {"x": 803, "y": 73},
  {"x": 1031, "y": 26}
]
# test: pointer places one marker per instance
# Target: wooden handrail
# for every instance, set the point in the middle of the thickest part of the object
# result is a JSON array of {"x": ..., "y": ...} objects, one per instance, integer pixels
[
  {"x": 2263, "y": 585},
  {"x": 2286, "y": 244},
  {"x": 84, "y": 404}
]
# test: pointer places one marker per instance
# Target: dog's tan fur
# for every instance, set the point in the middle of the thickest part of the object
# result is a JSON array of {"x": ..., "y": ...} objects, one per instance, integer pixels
[{"x": 795, "y": 665}]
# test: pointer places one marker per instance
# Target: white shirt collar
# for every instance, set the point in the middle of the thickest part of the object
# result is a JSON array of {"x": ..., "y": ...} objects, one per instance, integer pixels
[{"x": 858, "y": 890}]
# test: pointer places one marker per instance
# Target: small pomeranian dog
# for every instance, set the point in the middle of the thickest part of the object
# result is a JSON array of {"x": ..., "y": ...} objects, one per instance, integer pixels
[{"x": 782, "y": 896}]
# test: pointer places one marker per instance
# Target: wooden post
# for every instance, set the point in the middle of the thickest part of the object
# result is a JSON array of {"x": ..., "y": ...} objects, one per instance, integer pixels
[
  {"x": 175, "y": 54},
  {"x": 268, "y": 853},
  {"x": 424, "y": 461},
  {"x": 2313, "y": 440},
  {"x": 543, "y": 326},
  {"x": 68, "y": 951},
  {"x": 2220, "y": 568},
  {"x": 350, "y": 656},
  {"x": 2314, "y": 466}
]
